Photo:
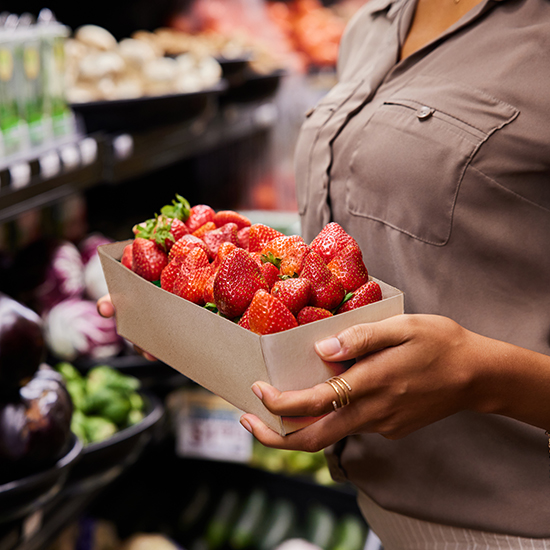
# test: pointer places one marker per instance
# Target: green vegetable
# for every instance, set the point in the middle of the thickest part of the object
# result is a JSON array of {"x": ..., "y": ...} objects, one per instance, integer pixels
[
  {"x": 106, "y": 377},
  {"x": 99, "y": 429},
  {"x": 78, "y": 426},
  {"x": 279, "y": 524},
  {"x": 134, "y": 417},
  {"x": 77, "y": 391},
  {"x": 219, "y": 526},
  {"x": 69, "y": 372},
  {"x": 108, "y": 403},
  {"x": 351, "y": 533},
  {"x": 246, "y": 529},
  {"x": 320, "y": 526}
]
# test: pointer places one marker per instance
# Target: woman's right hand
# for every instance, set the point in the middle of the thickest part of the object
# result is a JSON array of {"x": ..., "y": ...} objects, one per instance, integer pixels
[{"x": 106, "y": 309}]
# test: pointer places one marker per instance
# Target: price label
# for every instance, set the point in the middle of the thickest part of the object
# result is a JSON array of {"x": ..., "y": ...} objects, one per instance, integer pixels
[{"x": 208, "y": 427}]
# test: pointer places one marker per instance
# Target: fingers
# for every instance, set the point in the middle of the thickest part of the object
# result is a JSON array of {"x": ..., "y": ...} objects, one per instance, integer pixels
[
  {"x": 105, "y": 307},
  {"x": 313, "y": 438},
  {"x": 314, "y": 401},
  {"x": 359, "y": 340},
  {"x": 144, "y": 354}
]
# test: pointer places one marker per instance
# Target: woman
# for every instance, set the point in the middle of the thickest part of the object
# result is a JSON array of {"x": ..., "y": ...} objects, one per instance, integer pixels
[{"x": 433, "y": 151}]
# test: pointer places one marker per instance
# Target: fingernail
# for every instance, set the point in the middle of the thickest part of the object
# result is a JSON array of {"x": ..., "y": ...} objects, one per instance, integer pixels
[
  {"x": 246, "y": 425},
  {"x": 257, "y": 391},
  {"x": 330, "y": 346}
]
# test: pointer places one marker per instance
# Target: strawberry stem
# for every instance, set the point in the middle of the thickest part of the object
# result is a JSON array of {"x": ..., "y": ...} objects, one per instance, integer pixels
[{"x": 179, "y": 209}]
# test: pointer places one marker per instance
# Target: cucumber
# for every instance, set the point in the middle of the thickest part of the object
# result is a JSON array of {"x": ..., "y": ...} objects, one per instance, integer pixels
[
  {"x": 219, "y": 526},
  {"x": 279, "y": 525},
  {"x": 320, "y": 526},
  {"x": 351, "y": 533},
  {"x": 194, "y": 510},
  {"x": 248, "y": 523}
]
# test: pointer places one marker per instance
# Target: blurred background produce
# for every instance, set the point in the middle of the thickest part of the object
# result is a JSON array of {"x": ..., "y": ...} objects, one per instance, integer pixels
[{"x": 244, "y": 73}]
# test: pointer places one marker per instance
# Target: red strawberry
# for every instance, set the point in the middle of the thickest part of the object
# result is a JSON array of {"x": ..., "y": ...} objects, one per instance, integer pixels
[
  {"x": 268, "y": 314},
  {"x": 229, "y": 216},
  {"x": 331, "y": 240},
  {"x": 208, "y": 226},
  {"x": 126, "y": 259},
  {"x": 213, "y": 239},
  {"x": 170, "y": 273},
  {"x": 310, "y": 314},
  {"x": 237, "y": 280},
  {"x": 194, "y": 274},
  {"x": 349, "y": 267},
  {"x": 294, "y": 293},
  {"x": 223, "y": 251},
  {"x": 148, "y": 259},
  {"x": 164, "y": 231},
  {"x": 260, "y": 235},
  {"x": 271, "y": 273},
  {"x": 243, "y": 321},
  {"x": 243, "y": 237},
  {"x": 367, "y": 294},
  {"x": 326, "y": 289},
  {"x": 184, "y": 245},
  {"x": 288, "y": 253},
  {"x": 208, "y": 295},
  {"x": 199, "y": 215}
]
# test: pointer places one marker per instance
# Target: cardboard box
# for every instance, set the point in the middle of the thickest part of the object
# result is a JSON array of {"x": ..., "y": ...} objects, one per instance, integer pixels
[{"x": 218, "y": 354}]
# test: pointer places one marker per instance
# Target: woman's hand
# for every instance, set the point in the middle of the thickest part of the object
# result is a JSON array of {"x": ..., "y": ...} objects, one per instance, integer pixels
[
  {"x": 106, "y": 309},
  {"x": 410, "y": 371}
]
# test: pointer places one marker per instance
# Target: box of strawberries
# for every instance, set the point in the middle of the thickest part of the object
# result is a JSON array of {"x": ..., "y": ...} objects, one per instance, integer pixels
[{"x": 227, "y": 302}]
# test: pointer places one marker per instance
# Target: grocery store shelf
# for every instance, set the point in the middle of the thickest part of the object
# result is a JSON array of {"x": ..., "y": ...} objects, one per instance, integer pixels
[{"x": 54, "y": 174}]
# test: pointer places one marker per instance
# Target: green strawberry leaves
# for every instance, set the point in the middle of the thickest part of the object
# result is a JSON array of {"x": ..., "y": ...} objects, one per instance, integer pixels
[{"x": 180, "y": 209}]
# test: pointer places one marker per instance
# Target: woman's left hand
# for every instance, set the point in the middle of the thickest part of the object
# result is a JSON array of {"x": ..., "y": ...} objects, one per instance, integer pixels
[{"x": 410, "y": 371}]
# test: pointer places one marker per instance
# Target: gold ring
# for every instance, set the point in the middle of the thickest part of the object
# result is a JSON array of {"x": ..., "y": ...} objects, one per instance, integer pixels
[{"x": 342, "y": 389}]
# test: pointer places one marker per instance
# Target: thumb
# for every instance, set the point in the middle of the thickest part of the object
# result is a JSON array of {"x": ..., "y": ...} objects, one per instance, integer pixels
[{"x": 359, "y": 340}]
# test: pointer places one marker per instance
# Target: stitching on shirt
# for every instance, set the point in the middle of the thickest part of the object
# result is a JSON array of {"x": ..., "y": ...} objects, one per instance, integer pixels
[{"x": 507, "y": 190}]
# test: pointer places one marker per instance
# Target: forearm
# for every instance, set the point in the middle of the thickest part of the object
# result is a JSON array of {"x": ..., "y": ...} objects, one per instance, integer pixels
[{"x": 512, "y": 381}]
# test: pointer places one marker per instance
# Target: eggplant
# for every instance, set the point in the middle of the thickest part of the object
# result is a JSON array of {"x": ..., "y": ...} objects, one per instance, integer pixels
[
  {"x": 35, "y": 428},
  {"x": 22, "y": 345}
]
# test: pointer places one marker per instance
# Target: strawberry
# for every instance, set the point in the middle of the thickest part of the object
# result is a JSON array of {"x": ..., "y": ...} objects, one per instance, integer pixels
[
  {"x": 243, "y": 321},
  {"x": 194, "y": 274},
  {"x": 259, "y": 235},
  {"x": 310, "y": 314},
  {"x": 223, "y": 251},
  {"x": 294, "y": 293},
  {"x": 199, "y": 215},
  {"x": 229, "y": 216},
  {"x": 367, "y": 294},
  {"x": 237, "y": 280},
  {"x": 287, "y": 253},
  {"x": 268, "y": 314},
  {"x": 208, "y": 295},
  {"x": 148, "y": 259},
  {"x": 208, "y": 226},
  {"x": 225, "y": 233},
  {"x": 349, "y": 267},
  {"x": 331, "y": 240},
  {"x": 164, "y": 231},
  {"x": 271, "y": 273},
  {"x": 126, "y": 259},
  {"x": 326, "y": 289},
  {"x": 243, "y": 237},
  {"x": 170, "y": 273},
  {"x": 185, "y": 244}
]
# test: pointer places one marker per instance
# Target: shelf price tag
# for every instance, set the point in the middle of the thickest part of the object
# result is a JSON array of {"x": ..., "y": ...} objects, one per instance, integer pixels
[
  {"x": 20, "y": 175},
  {"x": 208, "y": 427},
  {"x": 50, "y": 164}
]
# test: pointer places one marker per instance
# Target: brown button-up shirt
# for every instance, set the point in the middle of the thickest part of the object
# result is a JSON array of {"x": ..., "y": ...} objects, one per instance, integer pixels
[{"x": 439, "y": 166}]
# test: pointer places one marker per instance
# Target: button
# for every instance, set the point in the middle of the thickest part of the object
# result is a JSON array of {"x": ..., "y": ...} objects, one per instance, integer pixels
[{"x": 424, "y": 112}]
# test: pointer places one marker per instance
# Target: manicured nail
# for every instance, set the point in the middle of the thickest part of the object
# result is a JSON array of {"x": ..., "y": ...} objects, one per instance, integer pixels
[
  {"x": 246, "y": 425},
  {"x": 257, "y": 391},
  {"x": 328, "y": 347}
]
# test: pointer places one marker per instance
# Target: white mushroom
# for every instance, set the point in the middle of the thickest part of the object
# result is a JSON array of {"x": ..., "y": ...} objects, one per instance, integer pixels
[{"x": 96, "y": 37}]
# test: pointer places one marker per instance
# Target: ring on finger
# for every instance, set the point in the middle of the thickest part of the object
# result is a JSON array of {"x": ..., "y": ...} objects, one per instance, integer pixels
[{"x": 342, "y": 389}]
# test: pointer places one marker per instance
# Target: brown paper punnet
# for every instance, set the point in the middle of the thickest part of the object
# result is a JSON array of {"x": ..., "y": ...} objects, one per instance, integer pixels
[{"x": 220, "y": 355}]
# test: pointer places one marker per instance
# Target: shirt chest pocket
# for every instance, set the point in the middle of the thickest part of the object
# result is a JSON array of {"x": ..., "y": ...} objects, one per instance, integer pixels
[
  {"x": 309, "y": 155},
  {"x": 412, "y": 154}
]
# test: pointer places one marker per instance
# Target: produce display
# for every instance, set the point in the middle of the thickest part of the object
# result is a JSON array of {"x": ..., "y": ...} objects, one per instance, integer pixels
[
  {"x": 105, "y": 401},
  {"x": 35, "y": 407},
  {"x": 251, "y": 274},
  {"x": 101, "y": 68}
]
